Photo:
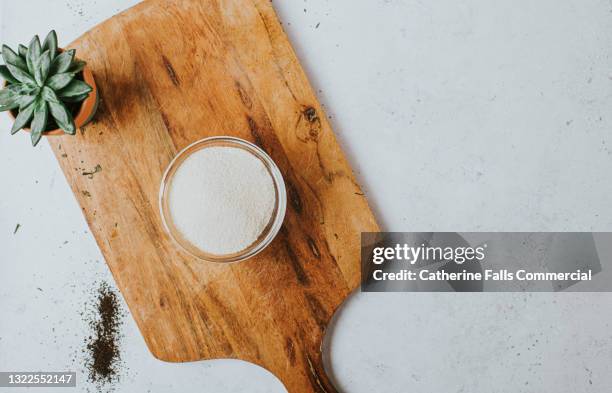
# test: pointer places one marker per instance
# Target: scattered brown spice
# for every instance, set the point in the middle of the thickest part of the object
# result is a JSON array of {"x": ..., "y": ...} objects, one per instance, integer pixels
[
  {"x": 103, "y": 345},
  {"x": 91, "y": 174},
  {"x": 86, "y": 193}
]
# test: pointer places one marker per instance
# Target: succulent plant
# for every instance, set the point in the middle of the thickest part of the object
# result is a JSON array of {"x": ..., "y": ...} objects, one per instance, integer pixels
[{"x": 41, "y": 85}]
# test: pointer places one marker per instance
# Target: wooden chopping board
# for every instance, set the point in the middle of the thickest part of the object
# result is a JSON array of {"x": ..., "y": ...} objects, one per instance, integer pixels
[{"x": 172, "y": 72}]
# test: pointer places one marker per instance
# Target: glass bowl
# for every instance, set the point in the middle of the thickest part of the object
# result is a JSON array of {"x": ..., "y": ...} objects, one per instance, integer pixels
[{"x": 269, "y": 231}]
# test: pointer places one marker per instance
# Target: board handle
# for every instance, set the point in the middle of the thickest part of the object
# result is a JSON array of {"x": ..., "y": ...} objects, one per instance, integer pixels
[{"x": 308, "y": 376}]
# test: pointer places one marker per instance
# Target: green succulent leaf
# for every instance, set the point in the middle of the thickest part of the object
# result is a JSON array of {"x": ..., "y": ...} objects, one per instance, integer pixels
[
  {"x": 79, "y": 98},
  {"x": 23, "y": 51},
  {"x": 14, "y": 96},
  {"x": 62, "y": 117},
  {"x": 39, "y": 122},
  {"x": 41, "y": 68},
  {"x": 8, "y": 98},
  {"x": 10, "y": 57},
  {"x": 20, "y": 75},
  {"x": 50, "y": 43},
  {"x": 36, "y": 137},
  {"x": 49, "y": 95},
  {"x": 5, "y": 94},
  {"x": 25, "y": 100},
  {"x": 6, "y": 74},
  {"x": 4, "y": 108},
  {"x": 62, "y": 62},
  {"x": 33, "y": 54},
  {"x": 23, "y": 89},
  {"x": 23, "y": 117},
  {"x": 49, "y": 61},
  {"x": 75, "y": 88},
  {"x": 59, "y": 81},
  {"x": 77, "y": 66}
]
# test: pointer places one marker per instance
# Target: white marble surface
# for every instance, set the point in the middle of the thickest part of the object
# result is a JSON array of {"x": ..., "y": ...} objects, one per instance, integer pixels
[{"x": 457, "y": 115}]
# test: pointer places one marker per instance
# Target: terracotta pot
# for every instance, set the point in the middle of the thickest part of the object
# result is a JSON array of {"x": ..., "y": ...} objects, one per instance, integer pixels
[{"x": 86, "y": 111}]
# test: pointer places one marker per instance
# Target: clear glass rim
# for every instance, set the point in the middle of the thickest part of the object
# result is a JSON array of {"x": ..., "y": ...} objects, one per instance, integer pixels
[{"x": 268, "y": 234}]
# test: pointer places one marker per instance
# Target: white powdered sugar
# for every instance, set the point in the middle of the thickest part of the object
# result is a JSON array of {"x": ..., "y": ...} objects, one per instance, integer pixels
[{"x": 221, "y": 199}]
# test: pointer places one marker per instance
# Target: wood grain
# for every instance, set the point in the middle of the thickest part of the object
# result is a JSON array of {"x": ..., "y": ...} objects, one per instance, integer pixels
[{"x": 172, "y": 72}]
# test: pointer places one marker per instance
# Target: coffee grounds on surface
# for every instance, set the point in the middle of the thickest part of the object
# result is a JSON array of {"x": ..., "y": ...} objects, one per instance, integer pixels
[{"x": 103, "y": 345}]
